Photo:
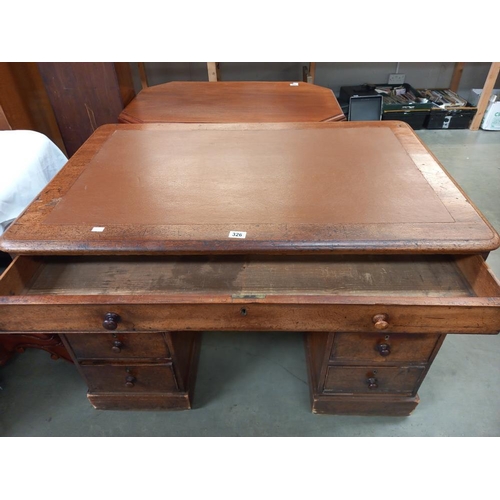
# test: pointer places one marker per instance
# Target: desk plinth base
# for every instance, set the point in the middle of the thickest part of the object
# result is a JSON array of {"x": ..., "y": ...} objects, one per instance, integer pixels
[
  {"x": 181, "y": 401},
  {"x": 363, "y": 405}
]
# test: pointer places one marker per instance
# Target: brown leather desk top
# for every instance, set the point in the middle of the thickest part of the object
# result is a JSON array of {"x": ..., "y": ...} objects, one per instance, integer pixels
[
  {"x": 232, "y": 102},
  {"x": 180, "y": 188}
]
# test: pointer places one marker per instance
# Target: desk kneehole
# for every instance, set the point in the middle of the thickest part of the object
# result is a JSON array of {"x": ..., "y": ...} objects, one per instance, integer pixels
[{"x": 373, "y": 323}]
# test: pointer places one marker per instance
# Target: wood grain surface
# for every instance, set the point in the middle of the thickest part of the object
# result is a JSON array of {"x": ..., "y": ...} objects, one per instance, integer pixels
[
  {"x": 425, "y": 276},
  {"x": 232, "y": 102}
]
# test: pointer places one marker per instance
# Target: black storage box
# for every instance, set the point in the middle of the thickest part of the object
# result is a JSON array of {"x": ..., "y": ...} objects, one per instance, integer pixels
[
  {"x": 416, "y": 119},
  {"x": 460, "y": 118},
  {"x": 452, "y": 117},
  {"x": 415, "y": 114}
]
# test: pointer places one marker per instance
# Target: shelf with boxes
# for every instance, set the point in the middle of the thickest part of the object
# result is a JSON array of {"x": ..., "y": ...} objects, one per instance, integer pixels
[
  {"x": 483, "y": 104},
  {"x": 420, "y": 108}
]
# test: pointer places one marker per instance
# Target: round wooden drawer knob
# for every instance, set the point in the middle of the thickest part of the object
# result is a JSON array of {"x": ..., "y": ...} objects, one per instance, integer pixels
[
  {"x": 372, "y": 383},
  {"x": 117, "y": 346},
  {"x": 111, "y": 321},
  {"x": 381, "y": 321},
  {"x": 130, "y": 381},
  {"x": 384, "y": 349}
]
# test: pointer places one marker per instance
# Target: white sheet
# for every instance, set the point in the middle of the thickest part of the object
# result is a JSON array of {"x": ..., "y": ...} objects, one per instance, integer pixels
[{"x": 28, "y": 161}]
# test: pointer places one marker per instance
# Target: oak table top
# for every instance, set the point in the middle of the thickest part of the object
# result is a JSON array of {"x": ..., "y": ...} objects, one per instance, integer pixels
[
  {"x": 348, "y": 187},
  {"x": 233, "y": 102}
]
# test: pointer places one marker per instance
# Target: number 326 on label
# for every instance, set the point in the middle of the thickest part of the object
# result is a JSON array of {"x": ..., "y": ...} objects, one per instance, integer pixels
[{"x": 237, "y": 234}]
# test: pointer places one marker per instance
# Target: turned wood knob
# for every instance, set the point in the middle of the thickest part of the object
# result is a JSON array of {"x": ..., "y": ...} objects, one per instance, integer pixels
[
  {"x": 111, "y": 321},
  {"x": 372, "y": 382},
  {"x": 384, "y": 349},
  {"x": 130, "y": 380},
  {"x": 381, "y": 321},
  {"x": 117, "y": 346}
]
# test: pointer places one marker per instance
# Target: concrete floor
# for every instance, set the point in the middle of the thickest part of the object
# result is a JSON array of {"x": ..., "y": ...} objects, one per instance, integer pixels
[{"x": 234, "y": 397}]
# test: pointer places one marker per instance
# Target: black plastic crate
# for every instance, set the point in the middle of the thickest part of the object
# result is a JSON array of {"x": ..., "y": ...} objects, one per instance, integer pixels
[
  {"x": 454, "y": 116},
  {"x": 416, "y": 119},
  {"x": 450, "y": 119}
]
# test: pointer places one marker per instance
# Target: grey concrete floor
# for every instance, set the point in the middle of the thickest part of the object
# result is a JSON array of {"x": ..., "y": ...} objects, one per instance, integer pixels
[{"x": 256, "y": 384}]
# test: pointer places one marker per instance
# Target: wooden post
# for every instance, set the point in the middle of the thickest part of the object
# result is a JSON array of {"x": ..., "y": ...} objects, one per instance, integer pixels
[
  {"x": 143, "y": 75},
  {"x": 457, "y": 75},
  {"x": 485, "y": 95},
  {"x": 125, "y": 81},
  {"x": 312, "y": 72},
  {"x": 213, "y": 71}
]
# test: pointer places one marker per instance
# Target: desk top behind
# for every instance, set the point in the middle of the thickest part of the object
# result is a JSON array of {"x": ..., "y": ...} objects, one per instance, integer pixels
[
  {"x": 283, "y": 188},
  {"x": 233, "y": 102}
]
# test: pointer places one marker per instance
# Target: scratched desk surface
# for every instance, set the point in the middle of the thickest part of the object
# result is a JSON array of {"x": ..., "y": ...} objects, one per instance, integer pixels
[{"x": 282, "y": 188}]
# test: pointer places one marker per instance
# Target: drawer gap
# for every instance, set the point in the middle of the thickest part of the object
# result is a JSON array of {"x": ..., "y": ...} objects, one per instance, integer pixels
[{"x": 338, "y": 275}]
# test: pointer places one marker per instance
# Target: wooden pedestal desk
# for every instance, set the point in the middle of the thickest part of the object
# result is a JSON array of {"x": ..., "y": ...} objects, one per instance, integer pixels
[
  {"x": 349, "y": 233},
  {"x": 233, "y": 102}
]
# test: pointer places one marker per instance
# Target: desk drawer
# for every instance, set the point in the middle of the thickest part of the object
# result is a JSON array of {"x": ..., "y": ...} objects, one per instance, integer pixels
[
  {"x": 373, "y": 380},
  {"x": 380, "y": 348},
  {"x": 130, "y": 379},
  {"x": 118, "y": 345},
  {"x": 385, "y": 294}
]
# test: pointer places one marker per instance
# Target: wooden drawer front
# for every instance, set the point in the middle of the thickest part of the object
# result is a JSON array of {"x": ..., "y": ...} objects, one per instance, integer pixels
[
  {"x": 130, "y": 379},
  {"x": 323, "y": 317},
  {"x": 377, "y": 348},
  {"x": 385, "y": 379},
  {"x": 417, "y": 295},
  {"x": 118, "y": 345}
]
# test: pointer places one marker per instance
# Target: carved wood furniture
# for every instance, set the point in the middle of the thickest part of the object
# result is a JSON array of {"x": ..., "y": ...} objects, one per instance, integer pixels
[
  {"x": 351, "y": 233},
  {"x": 233, "y": 102}
]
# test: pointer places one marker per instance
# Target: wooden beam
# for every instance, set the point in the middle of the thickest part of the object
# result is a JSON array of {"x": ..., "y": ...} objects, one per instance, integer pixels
[
  {"x": 213, "y": 71},
  {"x": 485, "y": 95},
  {"x": 312, "y": 72},
  {"x": 143, "y": 75},
  {"x": 125, "y": 81},
  {"x": 457, "y": 75}
]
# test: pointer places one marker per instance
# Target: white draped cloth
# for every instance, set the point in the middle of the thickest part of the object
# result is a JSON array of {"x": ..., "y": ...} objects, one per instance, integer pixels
[{"x": 28, "y": 162}]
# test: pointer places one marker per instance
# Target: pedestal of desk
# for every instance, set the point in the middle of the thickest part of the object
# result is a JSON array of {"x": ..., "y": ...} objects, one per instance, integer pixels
[
  {"x": 367, "y": 373},
  {"x": 349, "y": 373},
  {"x": 137, "y": 371}
]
